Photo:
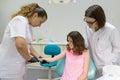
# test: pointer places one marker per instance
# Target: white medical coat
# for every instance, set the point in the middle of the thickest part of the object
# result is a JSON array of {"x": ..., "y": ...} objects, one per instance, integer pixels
[
  {"x": 104, "y": 45},
  {"x": 12, "y": 64}
]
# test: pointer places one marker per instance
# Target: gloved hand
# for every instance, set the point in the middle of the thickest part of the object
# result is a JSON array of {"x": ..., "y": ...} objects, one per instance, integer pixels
[
  {"x": 44, "y": 61},
  {"x": 40, "y": 57},
  {"x": 33, "y": 60}
]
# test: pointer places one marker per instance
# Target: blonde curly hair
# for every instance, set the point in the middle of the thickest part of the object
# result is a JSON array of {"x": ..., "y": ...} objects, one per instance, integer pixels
[{"x": 29, "y": 10}]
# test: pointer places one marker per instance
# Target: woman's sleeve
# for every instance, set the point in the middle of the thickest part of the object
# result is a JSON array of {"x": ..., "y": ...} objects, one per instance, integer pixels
[
  {"x": 17, "y": 28},
  {"x": 115, "y": 42}
]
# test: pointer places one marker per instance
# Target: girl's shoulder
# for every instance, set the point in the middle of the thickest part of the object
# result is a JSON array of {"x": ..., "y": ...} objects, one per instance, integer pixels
[{"x": 86, "y": 52}]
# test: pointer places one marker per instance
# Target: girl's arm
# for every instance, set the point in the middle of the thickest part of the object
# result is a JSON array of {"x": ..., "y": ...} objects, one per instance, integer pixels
[
  {"x": 86, "y": 66},
  {"x": 58, "y": 57}
]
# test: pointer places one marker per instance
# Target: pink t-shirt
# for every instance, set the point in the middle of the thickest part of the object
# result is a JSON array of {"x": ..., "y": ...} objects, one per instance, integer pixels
[{"x": 73, "y": 67}]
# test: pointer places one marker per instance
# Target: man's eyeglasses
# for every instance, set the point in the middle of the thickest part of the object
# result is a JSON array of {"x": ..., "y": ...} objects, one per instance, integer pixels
[{"x": 91, "y": 23}]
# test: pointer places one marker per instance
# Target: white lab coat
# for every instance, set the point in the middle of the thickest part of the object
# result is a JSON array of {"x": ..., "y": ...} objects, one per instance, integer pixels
[
  {"x": 12, "y": 64},
  {"x": 104, "y": 45}
]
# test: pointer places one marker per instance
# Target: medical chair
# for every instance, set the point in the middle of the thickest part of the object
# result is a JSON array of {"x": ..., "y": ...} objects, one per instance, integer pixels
[
  {"x": 60, "y": 68},
  {"x": 91, "y": 73},
  {"x": 92, "y": 70},
  {"x": 52, "y": 50}
]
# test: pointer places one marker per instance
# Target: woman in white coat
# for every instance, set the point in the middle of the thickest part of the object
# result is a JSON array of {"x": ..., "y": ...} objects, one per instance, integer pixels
[
  {"x": 103, "y": 38},
  {"x": 15, "y": 49}
]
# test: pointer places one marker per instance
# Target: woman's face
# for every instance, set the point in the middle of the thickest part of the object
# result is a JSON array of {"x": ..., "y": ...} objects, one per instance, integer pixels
[
  {"x": 70, "y": 42},
  {"x": 36, "y": 21},
  {"x": 91, "y": 22}
]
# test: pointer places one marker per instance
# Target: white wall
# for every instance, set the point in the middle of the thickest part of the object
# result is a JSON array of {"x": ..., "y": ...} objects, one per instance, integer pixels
[{"x": 61, "y": 18}]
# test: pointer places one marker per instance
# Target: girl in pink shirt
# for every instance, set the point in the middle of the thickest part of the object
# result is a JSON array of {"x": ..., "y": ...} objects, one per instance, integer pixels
[{"x": 77, "y": 58}]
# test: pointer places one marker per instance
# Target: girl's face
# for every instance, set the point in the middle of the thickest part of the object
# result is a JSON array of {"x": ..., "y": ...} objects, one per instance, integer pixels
[
  {"x": 91, "y": 22},
  {"x": 36, "y": 21},
  {"x": 70, "y": 42}
]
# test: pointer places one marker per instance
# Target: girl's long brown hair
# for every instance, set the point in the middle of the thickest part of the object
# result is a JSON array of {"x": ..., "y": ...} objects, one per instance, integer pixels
[{"x": 78, "y": 42}]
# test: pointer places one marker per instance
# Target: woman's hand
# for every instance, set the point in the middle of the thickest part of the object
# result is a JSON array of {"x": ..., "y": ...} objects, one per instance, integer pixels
[{"x": 33, "y": 60}]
